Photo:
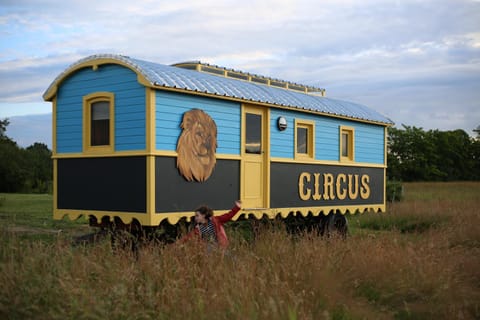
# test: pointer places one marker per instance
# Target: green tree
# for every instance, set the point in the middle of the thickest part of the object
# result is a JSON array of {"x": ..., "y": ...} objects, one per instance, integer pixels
[
  {"x": 411, "y": 151},
  {"x": 476, "y": 156},
  {"x": 418, "y": 155},
  {"x": 12, "y": 166},
  {"x": 41, "y": 167},
  {"x": 477, "y": 131},
  {"x": 394, "y": 154},
  {"x": 3, "y": 127},
  {"x": 12, "y": 176},
  {"x": 23, "y": 170},
  {"x": 455, "y": 157}
]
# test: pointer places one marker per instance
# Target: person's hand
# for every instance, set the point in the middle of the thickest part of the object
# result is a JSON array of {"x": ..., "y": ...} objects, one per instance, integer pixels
[{"x": 238, "y": 203}]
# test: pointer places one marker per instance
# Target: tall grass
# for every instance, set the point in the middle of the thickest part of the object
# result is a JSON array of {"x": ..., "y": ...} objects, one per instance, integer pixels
[{"x": 377, "y": 273}]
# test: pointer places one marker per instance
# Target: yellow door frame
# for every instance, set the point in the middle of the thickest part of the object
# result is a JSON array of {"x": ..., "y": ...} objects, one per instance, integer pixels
[{"x": 251, "y": 178}]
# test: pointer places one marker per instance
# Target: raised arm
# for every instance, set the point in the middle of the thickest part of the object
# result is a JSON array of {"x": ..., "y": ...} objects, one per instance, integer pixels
[{"x": 229, "y": 215}]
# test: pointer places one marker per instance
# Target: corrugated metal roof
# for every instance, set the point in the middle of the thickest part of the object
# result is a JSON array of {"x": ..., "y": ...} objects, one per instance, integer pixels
[{"x": 159, "y": 75}]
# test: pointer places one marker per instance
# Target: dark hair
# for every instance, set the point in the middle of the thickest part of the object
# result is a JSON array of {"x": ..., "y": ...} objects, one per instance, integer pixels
[{"x": 205, "y": 211}]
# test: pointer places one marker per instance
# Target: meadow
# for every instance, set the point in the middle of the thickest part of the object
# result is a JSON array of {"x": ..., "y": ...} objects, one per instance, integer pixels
[{"x": 420, "y": 260}]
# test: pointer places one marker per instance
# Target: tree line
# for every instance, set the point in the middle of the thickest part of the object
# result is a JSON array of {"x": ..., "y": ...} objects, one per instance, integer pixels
[
  {"x": 27, "y": 170},
  {"x": 413, "y": 155},
  {"x": 418, "y": 155}
]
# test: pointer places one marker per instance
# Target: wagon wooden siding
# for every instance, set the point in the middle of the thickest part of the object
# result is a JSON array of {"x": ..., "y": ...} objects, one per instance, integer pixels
[
  {"x": 369, "y": 139},
  {"x": 129, "y": 111},
  {"x": 170, "y": 108},
  {"x": 369, "y": 144}
]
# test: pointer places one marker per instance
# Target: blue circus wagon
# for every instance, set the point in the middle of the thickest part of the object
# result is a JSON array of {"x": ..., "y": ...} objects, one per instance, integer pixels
[{"x": 140, "y": 142}]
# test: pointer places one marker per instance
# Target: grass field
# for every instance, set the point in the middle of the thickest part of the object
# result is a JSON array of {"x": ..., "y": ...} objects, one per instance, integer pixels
[{"x": 421, "y": 260}]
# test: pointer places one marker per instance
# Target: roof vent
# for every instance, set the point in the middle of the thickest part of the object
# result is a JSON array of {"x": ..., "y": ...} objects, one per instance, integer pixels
[{"x": 245, "y": 76}]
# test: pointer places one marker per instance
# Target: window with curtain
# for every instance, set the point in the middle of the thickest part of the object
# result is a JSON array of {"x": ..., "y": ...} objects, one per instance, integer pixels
[{"x": 100, "y": 123}]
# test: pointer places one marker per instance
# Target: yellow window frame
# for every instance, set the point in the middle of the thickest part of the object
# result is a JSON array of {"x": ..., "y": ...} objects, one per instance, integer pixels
[
  {"x": 310, "y": 127},
  {"x": 88, "y": 100},
  {"x": 349, "y": 132}
]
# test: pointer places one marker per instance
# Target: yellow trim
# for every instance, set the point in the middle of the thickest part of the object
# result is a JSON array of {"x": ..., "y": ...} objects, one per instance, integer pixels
[
  {"x": 88, "y": 100},
  {"x": 310, "y": 126},
  {"x": 104, "y": 155},
  {"x": 55, "y": 185},
  {"x": 174, "y": 217},
  {"x": 54, "y": 126},
  {"x": 49, "y": 95},
  {"x": 218, "y": 156},
  {"x": 265, "y": 153},
  {"x": 150, "y": 147},
  {"x": 167, "y": 153},
  {"x": 350, "y": 132},
  {"x": 136, "y": 153},
  {"x": 229, "y": 157},
  {"x": 327, "y": 162},
  {"x": 304, "y": 211},
  {"x": 385, "y": 151},
  {"x": 142, "y": 80},
  {"x": 126, "y": 217},
  {"x": 151, "y": 195},
  {"x": 386, "y": 166},
  {"x": 242, "y": 150},
  {"x": 385, "y": 188},
  {"x": 267, "y": 159}
]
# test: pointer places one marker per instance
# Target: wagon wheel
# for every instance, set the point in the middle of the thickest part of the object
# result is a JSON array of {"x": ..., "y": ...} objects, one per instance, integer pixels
[
  {"x": 123, "y": 240},
  {"x": 334, "y": 224}
]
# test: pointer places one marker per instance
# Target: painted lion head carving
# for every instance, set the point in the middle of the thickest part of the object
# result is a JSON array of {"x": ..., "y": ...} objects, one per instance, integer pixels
[{"x": 197, "y": 145}]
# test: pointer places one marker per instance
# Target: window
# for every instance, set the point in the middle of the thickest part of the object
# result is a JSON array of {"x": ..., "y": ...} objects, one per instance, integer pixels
[
  {"x": 98, "y": 122},
  {"x": 253, "y": 133},
  {"x": 347, "y": 147},
  {"x": 304, "y": 139}
]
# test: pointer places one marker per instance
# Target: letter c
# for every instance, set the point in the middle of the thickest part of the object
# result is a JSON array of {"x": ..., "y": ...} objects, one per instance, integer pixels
[{"x": 304, "y": 192}]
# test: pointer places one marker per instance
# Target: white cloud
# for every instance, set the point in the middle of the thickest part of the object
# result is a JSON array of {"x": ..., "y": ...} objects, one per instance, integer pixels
[
  {"x": 26, "y": 130},
  {"x": 390, "y": 55}
]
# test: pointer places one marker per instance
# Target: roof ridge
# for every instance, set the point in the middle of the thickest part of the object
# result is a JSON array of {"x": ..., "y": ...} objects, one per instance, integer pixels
[{"x": 250, "y": 77}]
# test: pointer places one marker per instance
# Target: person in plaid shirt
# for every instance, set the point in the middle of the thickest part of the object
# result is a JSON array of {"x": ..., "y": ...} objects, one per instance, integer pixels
[{"x": 209, "y": 228}]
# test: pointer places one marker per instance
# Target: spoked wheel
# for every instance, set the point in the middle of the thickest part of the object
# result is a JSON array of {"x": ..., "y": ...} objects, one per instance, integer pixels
[
  {"x": 334, "y": 224},
  {"x": 126, "y": 237}
]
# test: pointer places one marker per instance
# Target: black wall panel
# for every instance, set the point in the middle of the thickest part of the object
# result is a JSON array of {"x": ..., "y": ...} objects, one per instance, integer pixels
[
  {"x": 105, "y": 184},
  {"x": 284, "y": 182},
  {"x": 174, "y": 193}
]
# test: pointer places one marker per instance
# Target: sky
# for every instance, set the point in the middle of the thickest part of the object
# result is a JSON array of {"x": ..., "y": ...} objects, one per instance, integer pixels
[{"x": 415, "y": 61}]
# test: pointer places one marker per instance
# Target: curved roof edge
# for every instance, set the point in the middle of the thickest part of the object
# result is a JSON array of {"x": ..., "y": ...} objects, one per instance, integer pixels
[
  {"x": 170, "y": 77},
  {"x": 89, "y": 61}
]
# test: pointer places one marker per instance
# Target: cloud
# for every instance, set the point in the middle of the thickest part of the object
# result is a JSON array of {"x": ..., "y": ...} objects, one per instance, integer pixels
[
  {"x": 25, "y": 80},
  {"x": 391, "y": 55},
  {"x": 26, "y": 130}
]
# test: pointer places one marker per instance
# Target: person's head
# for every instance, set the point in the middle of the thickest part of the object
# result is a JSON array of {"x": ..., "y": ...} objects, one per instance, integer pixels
[{"x": 203, "y": 214}]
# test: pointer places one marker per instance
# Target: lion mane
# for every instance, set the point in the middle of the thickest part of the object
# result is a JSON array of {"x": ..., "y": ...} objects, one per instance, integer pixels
[{"x": 196, "y": 146}]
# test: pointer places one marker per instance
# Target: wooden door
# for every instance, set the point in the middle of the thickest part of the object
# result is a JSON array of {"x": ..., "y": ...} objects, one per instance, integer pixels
[{"x": 254, "y": 157}]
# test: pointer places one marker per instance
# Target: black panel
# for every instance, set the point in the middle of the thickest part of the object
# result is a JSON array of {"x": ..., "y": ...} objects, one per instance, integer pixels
[
  {"x": 105, "y": 184},
  {"x": 174, "y": 193},
  {"x": 284, "y": 184}
]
